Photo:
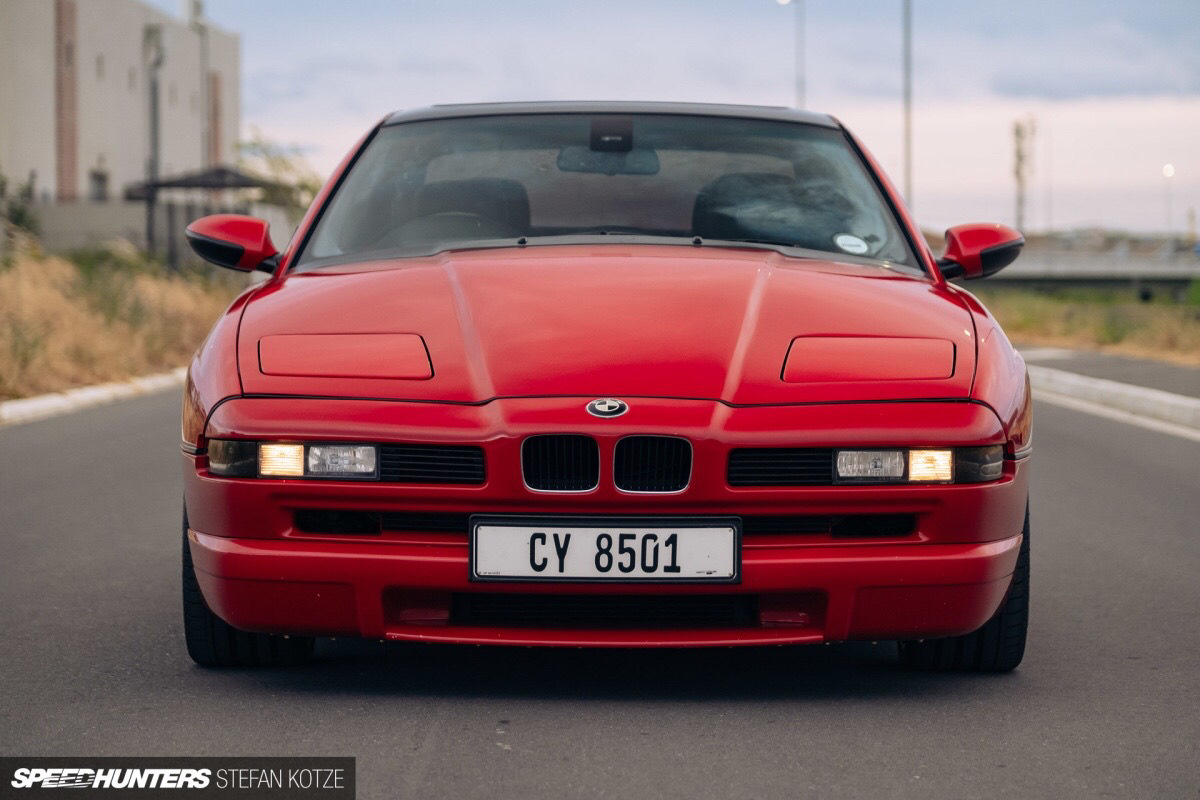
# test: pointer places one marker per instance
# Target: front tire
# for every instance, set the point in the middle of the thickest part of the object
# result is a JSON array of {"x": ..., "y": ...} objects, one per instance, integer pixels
[
  {"x": 998, "y": 646},
  {"x": 212, "y": 642}
]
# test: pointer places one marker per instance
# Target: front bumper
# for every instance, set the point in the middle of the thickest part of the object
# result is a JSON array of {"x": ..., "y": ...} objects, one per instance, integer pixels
[
  {"x": 833, "y": 592},
  {"x": 260, "y": 573}
]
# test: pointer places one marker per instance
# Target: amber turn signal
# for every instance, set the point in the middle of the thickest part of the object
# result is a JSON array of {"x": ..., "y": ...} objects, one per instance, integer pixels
[
  {"x": 931, "y": 466},
  {"x": 281, "y": 460}
]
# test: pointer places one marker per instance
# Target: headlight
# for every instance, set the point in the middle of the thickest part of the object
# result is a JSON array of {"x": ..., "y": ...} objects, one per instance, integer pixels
[
  {"x": 341, "y": 460},
  {"x": 243, "y": 459},
  {"x": 920, "y": 465},
  {"x": 870, "y": 465}
]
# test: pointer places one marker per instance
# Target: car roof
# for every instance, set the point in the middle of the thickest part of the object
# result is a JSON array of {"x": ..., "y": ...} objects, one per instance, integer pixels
[{"x": 778, "y": 113}]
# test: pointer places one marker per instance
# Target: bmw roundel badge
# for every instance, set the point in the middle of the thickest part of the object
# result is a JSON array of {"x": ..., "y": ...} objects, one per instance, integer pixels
[{"x": 607, "y": 407}]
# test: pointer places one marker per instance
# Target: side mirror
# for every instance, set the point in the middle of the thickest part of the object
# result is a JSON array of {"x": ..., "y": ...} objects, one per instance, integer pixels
[
  {"x": 233, "y": 241},
  {"x": 979, "y": 249}
]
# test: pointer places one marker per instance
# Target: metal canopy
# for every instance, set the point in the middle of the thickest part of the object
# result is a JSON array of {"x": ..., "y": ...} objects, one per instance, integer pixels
[{"x": 214, "y": 178}]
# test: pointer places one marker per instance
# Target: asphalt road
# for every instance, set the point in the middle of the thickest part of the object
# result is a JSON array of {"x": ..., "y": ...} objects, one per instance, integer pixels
[{"x": 1107, "y": 702}]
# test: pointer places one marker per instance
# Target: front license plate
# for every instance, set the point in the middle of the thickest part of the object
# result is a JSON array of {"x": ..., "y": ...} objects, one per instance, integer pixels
[{"x": 662, "y": 550}]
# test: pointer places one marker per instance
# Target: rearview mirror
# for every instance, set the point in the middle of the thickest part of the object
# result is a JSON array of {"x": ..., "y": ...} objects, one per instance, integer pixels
[
  {"x": 979, "y": 249},
  {"x": 233, "y": 241},
  {"x": 573, "y": 158}
]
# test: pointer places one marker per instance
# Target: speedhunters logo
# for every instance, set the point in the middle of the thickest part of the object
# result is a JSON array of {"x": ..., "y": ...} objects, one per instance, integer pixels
[
  {"x": 75, "y": 778},
  {"x": 196, "y": 777}
]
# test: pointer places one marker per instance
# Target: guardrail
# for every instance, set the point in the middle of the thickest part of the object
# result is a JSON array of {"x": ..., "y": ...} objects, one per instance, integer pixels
[{"x": 1046, "y": 268}]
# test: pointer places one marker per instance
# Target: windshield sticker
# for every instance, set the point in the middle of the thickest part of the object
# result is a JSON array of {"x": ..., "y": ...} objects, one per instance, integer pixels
[{"x": 849, "y": 243}]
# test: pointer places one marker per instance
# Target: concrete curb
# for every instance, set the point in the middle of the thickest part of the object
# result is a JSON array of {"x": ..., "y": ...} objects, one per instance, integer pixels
[
  {"x": 28, "y": 409},
  {"x": 1155, "y": 404}
]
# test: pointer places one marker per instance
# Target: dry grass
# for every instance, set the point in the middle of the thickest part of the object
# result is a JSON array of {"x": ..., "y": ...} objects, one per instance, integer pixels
[
  {"x": 101, "y": 316},
  {"x": 1108, "y": 321}
]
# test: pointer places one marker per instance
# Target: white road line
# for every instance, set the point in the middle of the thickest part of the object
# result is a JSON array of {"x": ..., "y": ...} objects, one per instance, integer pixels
[
  {"x": 1088, "y": 407},
  {"x": 1047, "y": 353},
  {"x": 1140, "y": 401}
]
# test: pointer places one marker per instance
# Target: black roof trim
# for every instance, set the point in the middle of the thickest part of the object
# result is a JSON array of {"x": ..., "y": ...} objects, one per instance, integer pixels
[{"x": 777, "y": 113}]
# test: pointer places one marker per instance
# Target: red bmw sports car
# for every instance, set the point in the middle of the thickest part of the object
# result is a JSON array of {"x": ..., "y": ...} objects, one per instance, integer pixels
[{"x": 607, "y": 375}]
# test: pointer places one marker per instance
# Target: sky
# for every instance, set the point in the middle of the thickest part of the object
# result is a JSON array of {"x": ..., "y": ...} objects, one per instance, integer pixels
[{"x": 1113, "y": 87}]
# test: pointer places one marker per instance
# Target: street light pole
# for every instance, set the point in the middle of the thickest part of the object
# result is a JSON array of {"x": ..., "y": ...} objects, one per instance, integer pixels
[
  {"x": 906, "y": 13},
  {"x": 798, "y": 49},
  {"x": 1168, "y": 172},
  {"x": 152, "y": 47},
  {"x": 197, "y": 24},
  {"x": 801, "y": 68}
]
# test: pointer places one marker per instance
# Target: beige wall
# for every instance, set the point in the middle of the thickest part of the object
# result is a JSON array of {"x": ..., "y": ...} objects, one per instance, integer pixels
[
  {"x": 27, "y": 91},
  {"x": 113, "y": 125},
  {"x": 224, "y": 58},
  {"x": 73, "y": 226}
]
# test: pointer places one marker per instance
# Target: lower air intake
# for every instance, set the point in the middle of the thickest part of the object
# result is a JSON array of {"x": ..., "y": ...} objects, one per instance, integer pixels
[{"x": 605, "y": 611}]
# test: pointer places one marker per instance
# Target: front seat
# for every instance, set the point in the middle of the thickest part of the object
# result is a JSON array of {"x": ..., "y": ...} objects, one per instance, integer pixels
[
  {"x": 744, "y": 205},
  {"x": 771, "y": 207}
]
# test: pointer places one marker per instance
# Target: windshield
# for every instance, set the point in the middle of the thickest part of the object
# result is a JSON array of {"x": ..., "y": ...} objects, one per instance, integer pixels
[{"x": 424, "y": 187}]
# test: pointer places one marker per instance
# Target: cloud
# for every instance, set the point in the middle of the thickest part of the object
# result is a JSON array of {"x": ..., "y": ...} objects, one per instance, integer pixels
[
  {"x": 1108, "y": 59},
  {"x": 352, "y": 84}
]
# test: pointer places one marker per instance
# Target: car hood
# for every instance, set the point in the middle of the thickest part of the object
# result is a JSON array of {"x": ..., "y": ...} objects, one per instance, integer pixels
[{"x": 608, "y": 321}]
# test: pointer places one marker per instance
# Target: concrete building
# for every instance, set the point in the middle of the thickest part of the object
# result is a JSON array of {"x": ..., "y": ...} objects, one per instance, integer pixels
[{"x": 77, "y": 81}]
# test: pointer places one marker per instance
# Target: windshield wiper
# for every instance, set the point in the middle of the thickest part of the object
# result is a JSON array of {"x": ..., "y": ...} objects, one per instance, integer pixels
[
  {"x": 694, "y": 240},
  {"x": 768, "y": 242}
]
